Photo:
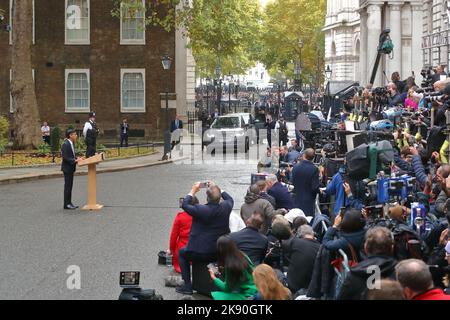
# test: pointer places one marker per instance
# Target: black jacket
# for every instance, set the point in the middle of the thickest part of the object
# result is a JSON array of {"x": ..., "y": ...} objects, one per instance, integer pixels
[
  {"x": 321, "y": 284},
  {"x": 252, "y": 243},
  {"x": 355, "y": 285},
  {"x": 122, "y": 127},
  {"x": 302, "y": 255},
  {"x": 209, "y": 222},
  {"x": 68, "y": 164}
]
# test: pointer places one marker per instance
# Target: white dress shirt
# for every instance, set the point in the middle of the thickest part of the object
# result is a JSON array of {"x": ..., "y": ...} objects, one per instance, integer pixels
[
  {"x": 87, "y": 126},
  {"x": 73, "y": 148}
]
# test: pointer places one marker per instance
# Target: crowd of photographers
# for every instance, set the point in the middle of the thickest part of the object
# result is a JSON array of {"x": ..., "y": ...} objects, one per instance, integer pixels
[{"x": 374, "y": 227}]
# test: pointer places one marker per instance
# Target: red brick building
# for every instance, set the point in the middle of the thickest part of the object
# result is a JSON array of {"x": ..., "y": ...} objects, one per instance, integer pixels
[{"x": 86, "y": 60}]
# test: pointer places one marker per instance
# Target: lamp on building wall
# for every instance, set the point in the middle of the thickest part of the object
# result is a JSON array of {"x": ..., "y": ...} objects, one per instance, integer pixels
[
  {"x": 328, "y": 72},
  {"x": 166, "y": 63}
]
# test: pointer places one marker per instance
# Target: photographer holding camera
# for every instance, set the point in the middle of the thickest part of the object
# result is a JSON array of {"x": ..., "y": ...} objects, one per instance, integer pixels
[{"x": 209, "y": 222}]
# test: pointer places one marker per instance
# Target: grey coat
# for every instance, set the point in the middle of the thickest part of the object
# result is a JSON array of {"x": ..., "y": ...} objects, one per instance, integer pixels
[{"x": 254, "y": 203}]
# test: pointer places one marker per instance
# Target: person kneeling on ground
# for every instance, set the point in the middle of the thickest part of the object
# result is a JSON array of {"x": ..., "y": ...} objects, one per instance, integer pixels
[
  {"x": 237, "y": 269},
  {"x": 301, "y": 254},
  {"x": 250, "y": 241},
  {"x": 209, "y": 222},
  {"x": 179, "y": 235}
]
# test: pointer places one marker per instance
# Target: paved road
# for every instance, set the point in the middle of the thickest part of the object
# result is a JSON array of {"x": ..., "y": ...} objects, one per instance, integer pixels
[{"x": 39, "y": 240}]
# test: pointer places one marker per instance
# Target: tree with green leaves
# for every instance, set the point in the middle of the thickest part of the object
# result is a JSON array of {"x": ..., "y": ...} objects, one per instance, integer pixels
[
  {"x": 286, "y": 22},
  {"x": 224, "y": 32}
]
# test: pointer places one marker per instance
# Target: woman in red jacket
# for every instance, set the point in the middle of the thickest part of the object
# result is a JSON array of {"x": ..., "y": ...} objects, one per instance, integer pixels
[{"x": 179, "y": 236}]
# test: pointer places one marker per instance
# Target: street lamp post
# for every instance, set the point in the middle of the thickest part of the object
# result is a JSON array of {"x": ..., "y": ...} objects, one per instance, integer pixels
[
  {"x": 219, "y": 89},
  {"x": 166, "y": 63},
  {"x": 230, "y": 84},
  {"x": 208, "y": 83},
  {"x": 300, "y": 45},
  {"x": 328, "y": 74}
]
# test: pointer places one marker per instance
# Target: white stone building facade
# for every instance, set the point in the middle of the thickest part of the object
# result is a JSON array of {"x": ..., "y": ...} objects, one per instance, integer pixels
[
  {"x": 352, "y": 44},
  {"x": 435, "y": 41},
  {"x": 342, "y": 44}
]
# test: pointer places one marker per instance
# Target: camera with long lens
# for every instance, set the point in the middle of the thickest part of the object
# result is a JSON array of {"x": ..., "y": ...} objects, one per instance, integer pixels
[
  {"x": 380, "y": 91},
  {"x": 434, "y": 97}
]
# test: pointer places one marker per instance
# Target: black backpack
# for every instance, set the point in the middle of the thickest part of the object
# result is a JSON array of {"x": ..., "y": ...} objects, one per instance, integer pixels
[{"x": 407, "y": 243}]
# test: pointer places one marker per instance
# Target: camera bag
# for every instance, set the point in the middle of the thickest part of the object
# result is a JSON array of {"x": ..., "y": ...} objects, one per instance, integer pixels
[
  {"x": 139, "y": 294},
  {"x": 162, "y": 256}
]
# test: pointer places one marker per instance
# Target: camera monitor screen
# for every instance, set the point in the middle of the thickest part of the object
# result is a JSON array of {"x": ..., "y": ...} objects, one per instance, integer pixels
[{"x": 129, "y": 278}]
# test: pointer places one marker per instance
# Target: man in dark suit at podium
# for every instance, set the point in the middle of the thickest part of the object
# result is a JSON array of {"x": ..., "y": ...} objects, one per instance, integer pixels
[{"x": 68, "y": 166}]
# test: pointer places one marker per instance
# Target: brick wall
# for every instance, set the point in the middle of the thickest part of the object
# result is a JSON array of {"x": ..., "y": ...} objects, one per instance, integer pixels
[{"x": 104, "y": 57}]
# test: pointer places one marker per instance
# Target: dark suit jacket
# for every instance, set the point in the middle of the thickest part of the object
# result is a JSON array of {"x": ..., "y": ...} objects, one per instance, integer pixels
[
  {"x": 173, "y": 127},
  {"x": 283, "y": 199},
  {"x": 68, "y": 164},
  {"x": 209, "y": 222},
  {"x": 127, "y": 128},
  {"x": 302, "y": 255},
  {"x": 305, "y": 177},
  {"x": 252, "y": 243}
]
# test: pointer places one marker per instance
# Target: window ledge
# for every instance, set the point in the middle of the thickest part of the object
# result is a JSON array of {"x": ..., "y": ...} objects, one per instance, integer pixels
[{"x": 132, "y": 110}]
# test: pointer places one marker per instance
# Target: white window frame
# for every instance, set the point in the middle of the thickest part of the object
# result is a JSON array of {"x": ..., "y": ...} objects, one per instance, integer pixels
[
  {"x": 131, "y": 41},
  {"x": 128, "y": 110},
  {"x": 11, "y": 22},
  {"x": 11, "y": 110},
  {"x": 78, "y": 110},
  {"x": 79, "y": 42}
]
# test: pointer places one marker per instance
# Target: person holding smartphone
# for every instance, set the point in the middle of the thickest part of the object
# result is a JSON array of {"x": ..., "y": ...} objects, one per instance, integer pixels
[{"x": 209, "y": 222}]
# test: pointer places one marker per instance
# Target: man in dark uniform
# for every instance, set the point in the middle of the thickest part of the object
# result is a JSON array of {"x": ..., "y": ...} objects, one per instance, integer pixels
[
  {"x": 175, "y": 125},
  {"x": 124, "y": 129},
  {"x": 90, "y": 133},
  {"x": 68, "y": 166}
]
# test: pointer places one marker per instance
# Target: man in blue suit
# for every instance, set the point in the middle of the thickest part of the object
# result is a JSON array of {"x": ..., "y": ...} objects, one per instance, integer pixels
[
  {"x": 283, "y": 199},
  {"x": 305, "y": 177},
  {"x": 209, "y": 223}
]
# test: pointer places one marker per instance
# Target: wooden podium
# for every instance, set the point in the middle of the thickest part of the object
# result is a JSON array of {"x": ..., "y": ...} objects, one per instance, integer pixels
[{"x": 92, "y": 180}]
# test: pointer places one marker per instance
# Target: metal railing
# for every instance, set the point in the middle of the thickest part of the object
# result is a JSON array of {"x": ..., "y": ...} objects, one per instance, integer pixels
[{"x": 52, "y": 156}]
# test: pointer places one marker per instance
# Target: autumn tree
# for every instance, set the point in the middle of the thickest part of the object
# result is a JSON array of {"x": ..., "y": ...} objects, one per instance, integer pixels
[
  {"x": 26, "y": 113},
  {"x": 285, "y": 23}
]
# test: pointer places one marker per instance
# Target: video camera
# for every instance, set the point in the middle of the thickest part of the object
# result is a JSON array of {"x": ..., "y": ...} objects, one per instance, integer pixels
[
  {"x": 427, "y": 75},
  {"x": 375, "y": 213},
  {"x": 380, "y": 91},
  {"x": 395, "y": 189}
]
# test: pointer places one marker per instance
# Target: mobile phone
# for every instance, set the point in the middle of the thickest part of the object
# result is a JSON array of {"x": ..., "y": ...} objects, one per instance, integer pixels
[
  {"x": 129, "y": 278},
  {"x": 181, "y": 202},
  {"x": 342, "y": 212},
  {"x": 204, "y": 185},
  {"x": 214, "y": 268}
]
